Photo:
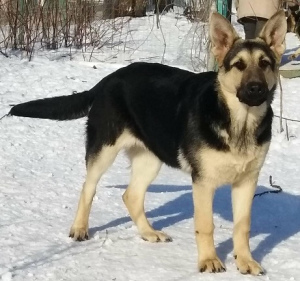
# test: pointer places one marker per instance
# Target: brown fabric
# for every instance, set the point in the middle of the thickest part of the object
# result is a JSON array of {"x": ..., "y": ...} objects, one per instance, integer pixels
[{"x": 257, "y": 8}]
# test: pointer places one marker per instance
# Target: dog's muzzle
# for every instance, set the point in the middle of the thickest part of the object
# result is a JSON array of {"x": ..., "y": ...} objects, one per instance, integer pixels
[{"x": 253, "y": 94}]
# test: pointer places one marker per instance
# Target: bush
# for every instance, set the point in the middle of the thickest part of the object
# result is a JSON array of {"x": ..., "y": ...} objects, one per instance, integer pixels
[{"x": 51, "y": 24}]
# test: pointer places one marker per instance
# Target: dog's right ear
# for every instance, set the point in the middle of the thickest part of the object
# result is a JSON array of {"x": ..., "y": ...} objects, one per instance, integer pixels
[
  {"x": 222, "y": 36},
  {"x": 274, "y": 33}
]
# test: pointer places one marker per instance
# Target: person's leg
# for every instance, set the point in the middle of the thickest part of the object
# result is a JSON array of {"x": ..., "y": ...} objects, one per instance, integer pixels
[
  {"x": 249, "y": 28},
  {"x": 259, "y": 26}
]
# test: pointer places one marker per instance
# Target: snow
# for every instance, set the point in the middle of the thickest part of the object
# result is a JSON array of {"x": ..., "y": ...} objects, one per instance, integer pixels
[{"x": 42, "y": 169}]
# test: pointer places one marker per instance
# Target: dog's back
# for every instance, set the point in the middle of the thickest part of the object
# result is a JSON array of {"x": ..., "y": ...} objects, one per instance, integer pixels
[{"x": 151, "y": 101}]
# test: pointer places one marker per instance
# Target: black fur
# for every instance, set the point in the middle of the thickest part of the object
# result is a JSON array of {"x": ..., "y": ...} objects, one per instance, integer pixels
[
  {"x": 263, "y": 132},
  {"x": 181, "y": 109},
  {"x": 57, "y": 108},
  {"x": 156, "y": 102}
]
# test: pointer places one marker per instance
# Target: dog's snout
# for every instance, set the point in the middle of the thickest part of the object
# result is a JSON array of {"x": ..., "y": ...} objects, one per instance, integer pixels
[
  {"x": 256, "y": 88},
  {"x": 253, "y": 93}
]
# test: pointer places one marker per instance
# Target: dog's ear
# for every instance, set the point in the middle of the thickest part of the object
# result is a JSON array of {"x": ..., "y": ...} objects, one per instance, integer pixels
[
  {"x": 274, "y": 33},
  {"x": 222, "y": 36}
]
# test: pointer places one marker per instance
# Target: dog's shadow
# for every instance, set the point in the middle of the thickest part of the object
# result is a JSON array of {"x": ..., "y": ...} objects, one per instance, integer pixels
[{"x": 274, "y": 215}]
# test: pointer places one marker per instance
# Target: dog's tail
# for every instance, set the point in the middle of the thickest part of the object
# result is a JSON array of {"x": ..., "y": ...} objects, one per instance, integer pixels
[{"x": 60, "y": 108}]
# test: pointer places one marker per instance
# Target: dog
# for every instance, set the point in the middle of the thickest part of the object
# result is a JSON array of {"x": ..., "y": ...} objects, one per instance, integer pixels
[
  {"x": 216, "y": 126},
  {"x": 293, "y": 26}
]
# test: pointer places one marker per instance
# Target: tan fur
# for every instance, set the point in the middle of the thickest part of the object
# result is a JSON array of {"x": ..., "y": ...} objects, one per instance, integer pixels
[
  {"x": 144, "y": 169},
  {"x": 221, "y": 42},
  {"x": 239, "y": 166},
  {"x": 231, "y": 81},
  {"x": 244, "y": 118},
  {"x": 273, "y": 34},
  {"x": 95, "y": 169},
  {"x": 203, "y": 193},
  {"x": 184, "y": 164}
]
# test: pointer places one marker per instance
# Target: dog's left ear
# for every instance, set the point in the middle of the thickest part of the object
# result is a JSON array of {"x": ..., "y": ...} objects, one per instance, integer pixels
[
  {"x": 274, "y": 33},
  {"x": 222, "y": 36}
]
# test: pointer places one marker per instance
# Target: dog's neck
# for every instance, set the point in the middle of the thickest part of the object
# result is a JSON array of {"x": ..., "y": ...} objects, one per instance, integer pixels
[{"x": 244, "y": 120}]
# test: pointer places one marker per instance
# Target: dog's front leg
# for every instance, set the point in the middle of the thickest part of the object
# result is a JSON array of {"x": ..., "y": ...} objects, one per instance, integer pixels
[
  {"x": 242, "y": 197},
  {"x": 208, "y": 261}
]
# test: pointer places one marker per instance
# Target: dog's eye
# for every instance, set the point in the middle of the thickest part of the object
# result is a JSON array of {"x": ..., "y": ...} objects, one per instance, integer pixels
[
  {"x": 240, "y": 65},
  {"x": 264, "y": 63}
]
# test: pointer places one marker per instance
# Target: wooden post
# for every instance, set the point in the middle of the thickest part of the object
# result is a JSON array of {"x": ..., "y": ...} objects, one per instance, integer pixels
[
  {"x": 20, "y": 15},
  {"x": 62, "y": 6}
]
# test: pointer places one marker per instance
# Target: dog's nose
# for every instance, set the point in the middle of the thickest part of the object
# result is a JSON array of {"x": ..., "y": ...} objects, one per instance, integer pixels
[{"x": 256, "y": 89}]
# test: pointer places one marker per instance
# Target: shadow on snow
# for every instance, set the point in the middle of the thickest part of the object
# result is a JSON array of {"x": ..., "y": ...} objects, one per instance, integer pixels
[{"x": 276, "y": 215}]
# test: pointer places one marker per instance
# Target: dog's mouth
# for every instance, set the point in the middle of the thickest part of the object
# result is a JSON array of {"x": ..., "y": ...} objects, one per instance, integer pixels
[
  {"x": 252, "y": 102},
  {"x": 253, "y": 94}
]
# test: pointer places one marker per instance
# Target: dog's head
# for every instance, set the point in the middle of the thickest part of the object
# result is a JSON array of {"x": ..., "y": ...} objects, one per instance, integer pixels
[{"x": 248, "y": 69}]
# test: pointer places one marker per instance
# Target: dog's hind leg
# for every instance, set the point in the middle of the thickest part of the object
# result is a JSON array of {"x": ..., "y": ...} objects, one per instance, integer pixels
[
  {"x": 203, "y": 194},
  {"x": 242, "y": 196},
  {"x": 96, "y": 166},
  {"x": 144, "y": 169}
]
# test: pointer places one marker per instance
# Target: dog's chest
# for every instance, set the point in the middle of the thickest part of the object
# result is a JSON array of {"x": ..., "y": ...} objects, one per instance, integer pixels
[{"x": 228, "y": 167}]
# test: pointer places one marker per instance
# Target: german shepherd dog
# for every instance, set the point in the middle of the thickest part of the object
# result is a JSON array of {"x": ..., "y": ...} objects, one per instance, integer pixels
[{"x": 214, "y": 126}]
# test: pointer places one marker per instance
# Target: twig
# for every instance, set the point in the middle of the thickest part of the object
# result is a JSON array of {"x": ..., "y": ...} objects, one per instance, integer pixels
[
  {"x": 4, "y": 116},
  {"x": 157, "y": 13},
  {"x": 289, "y": 119},
  {"x": 152, "y": 28},
  {"x": 278, "y": 189},
  {"x": 281, "y": 104},
  {"x": 287, "y": 130},
  {"x": 6, "y": 55},
  {"x": 162, "y": 34},
  {"x": 105, "y": 238}
]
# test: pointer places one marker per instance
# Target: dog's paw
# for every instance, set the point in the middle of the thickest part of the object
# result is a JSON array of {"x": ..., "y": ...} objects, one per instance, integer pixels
[
  {"x": 79, "y": 233},
  {"x": 211, "y": 265},
  {"x": 246, "y": 266},
  {"x": 156, "y": 236}
]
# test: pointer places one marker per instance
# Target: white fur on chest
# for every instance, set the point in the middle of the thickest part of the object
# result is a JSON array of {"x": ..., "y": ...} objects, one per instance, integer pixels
[
  {"x": 244, "y": 156},
  {"x": 228, "y": 167},
  {"x": 243, "y": 116}
]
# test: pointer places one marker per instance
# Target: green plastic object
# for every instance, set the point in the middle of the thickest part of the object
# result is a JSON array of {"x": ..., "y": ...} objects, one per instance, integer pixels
[{"x": 224, "y": 8}]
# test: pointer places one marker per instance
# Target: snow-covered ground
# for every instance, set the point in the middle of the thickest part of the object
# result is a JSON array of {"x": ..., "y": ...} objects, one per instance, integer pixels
[{"x": 42, "y": 169}]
